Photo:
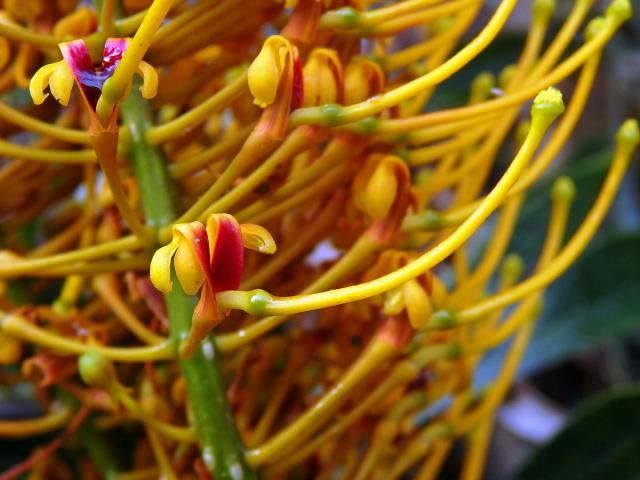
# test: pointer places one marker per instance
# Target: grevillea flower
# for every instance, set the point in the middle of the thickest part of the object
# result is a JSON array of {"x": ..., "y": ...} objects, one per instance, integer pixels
[
  {"x": 210, "y": 260},
  {"x": 415, "y": 298},
  {"x": 77, "y": 65},
  {"x": 363, "y": 79},
  {"x": 275, "y": 81},
  {"x": 382, "y": 189},
  {"x": 323, "y": 78}
]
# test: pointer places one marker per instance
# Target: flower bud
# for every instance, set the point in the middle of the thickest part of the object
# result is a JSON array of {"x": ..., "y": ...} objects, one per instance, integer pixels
[
  {"x": 418, "y": 304},
  {"x": 265, "y": 71},
  {"x": 96, "y": 370},
  {"x": 363, "y": 79},
  {"x": 323, "y": 78},
  {"x": 381, "y": 190}
]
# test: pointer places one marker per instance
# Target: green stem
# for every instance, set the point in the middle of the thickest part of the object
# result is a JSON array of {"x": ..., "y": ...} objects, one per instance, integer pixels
[
  {"x": 98, "y": 450},
  {"x": 222, "y": 449}
]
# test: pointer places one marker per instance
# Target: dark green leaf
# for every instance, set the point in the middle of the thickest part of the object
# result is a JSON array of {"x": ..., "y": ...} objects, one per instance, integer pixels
[{"x": 597, "y": 302}]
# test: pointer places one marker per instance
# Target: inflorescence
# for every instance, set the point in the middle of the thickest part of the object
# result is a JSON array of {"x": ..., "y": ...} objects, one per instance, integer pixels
[{"x": 234, "y": 233}]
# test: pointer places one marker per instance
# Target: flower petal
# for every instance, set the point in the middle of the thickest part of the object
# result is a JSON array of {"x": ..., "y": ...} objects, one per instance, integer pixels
[
  {"x": 226, "y": 250},
  {"x": 160, "y": 268},
  {"x": 189, "y": 262},
  {"x": 91, "y": 79},
  {"x": 61, "y": 83},
  {"x": 255, "y": 237},
  {"x": 417, "y": 304},
  {"x": 149, "y": 76},
  {"x": 76, "y": 54},
  {"x": 264, "y": 75},
  {"x": 40, "y": 81}
]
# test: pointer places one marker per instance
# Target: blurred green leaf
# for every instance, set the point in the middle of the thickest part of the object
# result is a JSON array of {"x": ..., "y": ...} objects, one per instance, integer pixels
[
  {"x": 587, "y": 172},
  {"x": 600, "y": 441},
  {"x": 597, "y": 302}
]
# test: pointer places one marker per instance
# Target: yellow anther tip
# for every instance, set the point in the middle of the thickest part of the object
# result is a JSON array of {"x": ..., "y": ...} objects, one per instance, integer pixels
[
  {"x": 593, "y": 27},
  {"x": 564, "y": 188},
  {"x": 621, "y": 10},
  {"x": 513, "y": 266},
  {"x": 628, "y": 133},
  {"x": 483, "y": 83},
  {"x": 544, "y": 8},
  {"x": 548, "y": 103}
]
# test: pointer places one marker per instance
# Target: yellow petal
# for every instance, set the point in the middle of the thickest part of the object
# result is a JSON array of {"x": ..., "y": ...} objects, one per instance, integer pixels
[
  {"x": 160, "y": 268},
  {"x": 439, "y": 292},
  {"x": 149, "y": 77},
  {"x": 188, "y": 268},
  {"x": 418, "y": 304},
  {"x": 393, "y": 302},
  {"x": 381, "y": 190},
  {"x": 40, "y": 81},
  {"x": 255, "y": 237},
  {"x": 264, "y": 76},
  {"x": 363, "y": 79},
  {"x": 61, "y": 83},
  {"x": 323, "y": 78}
]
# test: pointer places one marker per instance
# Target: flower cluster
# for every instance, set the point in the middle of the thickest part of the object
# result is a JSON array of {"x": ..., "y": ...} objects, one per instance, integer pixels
[
  {"x": 133, "y": 296},
  {"x": 210, "y": 260}
]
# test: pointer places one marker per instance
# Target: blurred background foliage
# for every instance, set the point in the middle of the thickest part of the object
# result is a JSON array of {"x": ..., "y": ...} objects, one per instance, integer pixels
[{"x": 575, "y": 412}]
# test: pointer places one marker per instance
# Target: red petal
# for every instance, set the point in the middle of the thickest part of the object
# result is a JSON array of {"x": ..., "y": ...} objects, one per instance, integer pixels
[
  {"x": 197, "y": 235},
  {"x": 227, "y": 253},
  {"x": 114, "y": 49},
  {"x": 298, "y": 84},
  {"x": 90, "y": 79}
]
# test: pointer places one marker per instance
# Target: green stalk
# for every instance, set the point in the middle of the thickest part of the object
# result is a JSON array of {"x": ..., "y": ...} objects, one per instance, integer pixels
[
  {"x": 98, "y": 450},
  {"x": 222, "y": 448}
]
